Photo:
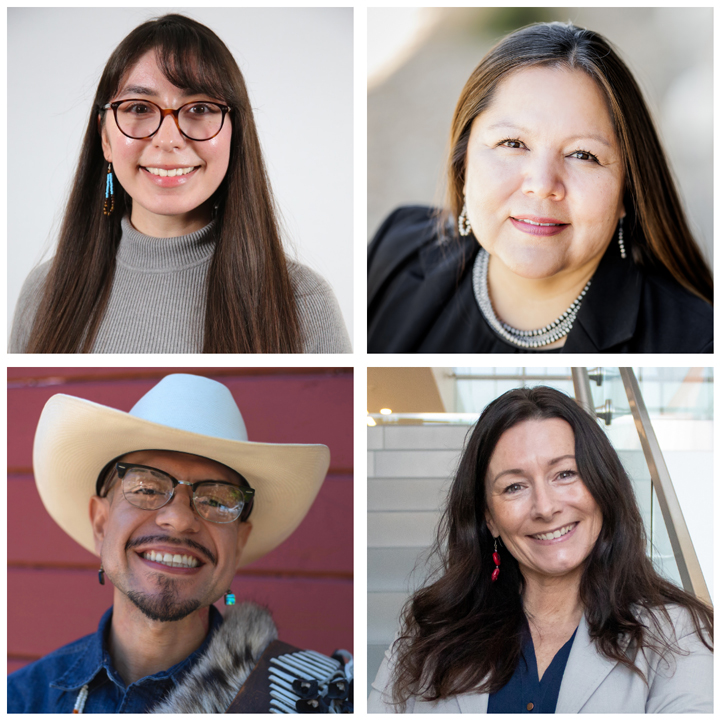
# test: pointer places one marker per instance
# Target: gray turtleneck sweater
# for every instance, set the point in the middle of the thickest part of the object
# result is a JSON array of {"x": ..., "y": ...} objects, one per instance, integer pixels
[{"x": 157, "y": 302}]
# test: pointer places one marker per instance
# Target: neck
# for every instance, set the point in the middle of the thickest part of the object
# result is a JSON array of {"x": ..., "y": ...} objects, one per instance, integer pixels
[
  {"x": 163, "y": 226},
  {"x": 140, "y": 647},
  {"x": 553, "y": 601},
  {"x": 529, "y": 303}
]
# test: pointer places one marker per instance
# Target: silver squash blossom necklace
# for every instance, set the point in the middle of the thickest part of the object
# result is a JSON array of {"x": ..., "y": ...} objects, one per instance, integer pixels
[{"x": 527, "y": 339}]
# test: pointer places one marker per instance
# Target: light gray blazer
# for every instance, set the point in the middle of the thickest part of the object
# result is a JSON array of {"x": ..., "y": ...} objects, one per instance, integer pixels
[{"x": 680, "y": 683}]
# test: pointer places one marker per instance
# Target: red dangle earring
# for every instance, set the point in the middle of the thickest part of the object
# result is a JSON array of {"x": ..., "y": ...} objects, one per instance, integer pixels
[{"x": 496, "y": 560}]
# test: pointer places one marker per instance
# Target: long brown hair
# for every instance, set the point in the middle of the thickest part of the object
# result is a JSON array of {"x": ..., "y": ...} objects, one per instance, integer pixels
[
  {"x": 250, "y": 305},
  {"x": 463, "y": 632},
  {"x": 658, "y": 231}
]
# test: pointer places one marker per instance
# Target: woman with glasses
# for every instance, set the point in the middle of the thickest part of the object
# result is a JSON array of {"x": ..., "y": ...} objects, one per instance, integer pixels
[{"x": 170, "y": 240}]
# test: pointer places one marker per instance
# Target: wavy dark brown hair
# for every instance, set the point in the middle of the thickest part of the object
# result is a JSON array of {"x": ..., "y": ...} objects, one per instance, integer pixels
[
  {"x": 463, "y": 633},
  {"x": 250, "y": 305},
  {"x": 657, "y": 231}
]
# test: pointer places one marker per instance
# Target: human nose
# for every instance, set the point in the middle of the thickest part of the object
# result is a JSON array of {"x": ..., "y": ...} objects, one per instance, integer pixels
[
  {"x": 169, "y": 131},
  {"x": 543, "y": 177},
  {"x": 546, "y": 503},
  {"x": 179, "y": 513}
]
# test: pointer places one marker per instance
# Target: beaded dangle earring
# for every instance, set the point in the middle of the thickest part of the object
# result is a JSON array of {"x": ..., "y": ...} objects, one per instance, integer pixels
[
  {"x": 101, "y": 575},
  {"x": 229, "y": 598},
  {"x": 109, "y": 204},
  {"x": 621, "y": 242},
  {"x": 496, "y": 560}
]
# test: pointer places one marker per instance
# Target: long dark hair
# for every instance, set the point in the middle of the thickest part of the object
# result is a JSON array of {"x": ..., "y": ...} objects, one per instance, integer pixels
[
  {"x": 658, "y": 231},
  {"x": 250, "y": 305},
  {"x": 463, "y": 633}
]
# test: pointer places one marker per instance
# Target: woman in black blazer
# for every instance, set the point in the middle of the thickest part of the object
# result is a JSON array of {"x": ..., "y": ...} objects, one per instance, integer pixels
[{"x": 563, "y": 232}]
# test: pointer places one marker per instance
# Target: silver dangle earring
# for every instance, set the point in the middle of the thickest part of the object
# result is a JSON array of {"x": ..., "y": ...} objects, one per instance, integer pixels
[
  {"x": 621, "y": 242},
  {"x": 464, "y": 222}
]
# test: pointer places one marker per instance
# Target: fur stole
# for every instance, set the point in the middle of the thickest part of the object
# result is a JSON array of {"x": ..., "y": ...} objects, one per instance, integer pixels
[{"x": 215, "y": 679}]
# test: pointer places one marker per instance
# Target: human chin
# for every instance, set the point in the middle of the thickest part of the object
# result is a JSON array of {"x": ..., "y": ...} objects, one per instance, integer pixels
[
  {"x": 166, "y": 603},
  {"x": 531, "y": 260}
]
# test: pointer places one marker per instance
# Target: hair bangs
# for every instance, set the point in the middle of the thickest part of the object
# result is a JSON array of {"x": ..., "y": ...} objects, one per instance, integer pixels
[{"x": 193, "y": 68}]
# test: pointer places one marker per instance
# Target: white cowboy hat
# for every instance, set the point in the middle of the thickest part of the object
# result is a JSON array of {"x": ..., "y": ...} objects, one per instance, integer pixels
[{"x": 76, "y": 438}]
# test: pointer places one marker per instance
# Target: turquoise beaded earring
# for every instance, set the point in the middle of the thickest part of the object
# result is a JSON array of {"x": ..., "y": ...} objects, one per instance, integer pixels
[{"x": 109, "y": 194}]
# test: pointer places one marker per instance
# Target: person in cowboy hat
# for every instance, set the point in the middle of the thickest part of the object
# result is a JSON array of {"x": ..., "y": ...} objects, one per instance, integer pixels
[{"x": 173, "y": 498}]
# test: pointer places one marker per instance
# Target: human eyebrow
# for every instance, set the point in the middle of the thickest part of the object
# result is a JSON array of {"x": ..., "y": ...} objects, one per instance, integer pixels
[
  {"x": 137, "y": 90},
  {"x": 556, "y": 460},
  {"x": 142, "y": 90},
  {"x": 513, "y": 471},
  {"x": 597, "y": 138}
]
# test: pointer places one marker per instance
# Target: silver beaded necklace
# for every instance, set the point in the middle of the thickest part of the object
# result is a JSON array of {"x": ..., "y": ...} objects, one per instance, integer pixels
[{"x": 527, "y": 339}]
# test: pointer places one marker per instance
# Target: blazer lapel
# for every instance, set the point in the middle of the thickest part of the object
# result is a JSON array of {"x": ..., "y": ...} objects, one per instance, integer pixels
[
  {"x": 585, "y": 670},
  {"x": 609, "y": 313}
]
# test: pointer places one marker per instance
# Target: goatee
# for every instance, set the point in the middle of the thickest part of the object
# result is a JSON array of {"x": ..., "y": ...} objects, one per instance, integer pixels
[{"x": 164, "y": 606}]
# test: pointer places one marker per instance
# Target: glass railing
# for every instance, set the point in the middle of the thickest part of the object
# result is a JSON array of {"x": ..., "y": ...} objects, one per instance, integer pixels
[
  {"x": 660, "y": 422},
  {"x": 677, "y": 412}
]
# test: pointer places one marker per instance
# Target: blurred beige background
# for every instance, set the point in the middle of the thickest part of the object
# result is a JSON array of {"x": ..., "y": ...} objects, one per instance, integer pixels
[{"x": 420, "y": 58}]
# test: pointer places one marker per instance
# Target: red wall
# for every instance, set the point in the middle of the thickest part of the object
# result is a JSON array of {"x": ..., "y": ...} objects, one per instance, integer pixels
[{"x": 53, "y": 593}]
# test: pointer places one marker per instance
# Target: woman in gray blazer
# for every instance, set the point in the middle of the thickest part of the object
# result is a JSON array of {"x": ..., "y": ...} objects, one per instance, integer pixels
[{"x": 545, "y": 600}]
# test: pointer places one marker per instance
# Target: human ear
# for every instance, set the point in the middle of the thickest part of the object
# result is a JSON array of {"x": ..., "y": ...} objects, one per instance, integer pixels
[
  {"x": 491, "y": 524},
  {"x": 99, "y": 514},
  {"x": 243, "y": 534},
  {"x": 107, "y": 150}
]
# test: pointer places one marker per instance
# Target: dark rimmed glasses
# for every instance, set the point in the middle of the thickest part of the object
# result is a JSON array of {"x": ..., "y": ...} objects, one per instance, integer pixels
[
  {"x": 214, "y": 500},
  {"x": 141, "y": 119}
]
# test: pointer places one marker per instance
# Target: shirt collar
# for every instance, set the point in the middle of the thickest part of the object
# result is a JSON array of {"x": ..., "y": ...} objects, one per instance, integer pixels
[{"x": 96, "y": 658}]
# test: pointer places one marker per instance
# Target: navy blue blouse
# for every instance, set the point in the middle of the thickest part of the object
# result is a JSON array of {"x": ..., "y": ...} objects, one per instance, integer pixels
[{"x": 524, "y": 692}]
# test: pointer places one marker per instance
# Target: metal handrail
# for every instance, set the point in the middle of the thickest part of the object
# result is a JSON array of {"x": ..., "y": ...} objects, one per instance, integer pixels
[{"x": 688, "y": 565}]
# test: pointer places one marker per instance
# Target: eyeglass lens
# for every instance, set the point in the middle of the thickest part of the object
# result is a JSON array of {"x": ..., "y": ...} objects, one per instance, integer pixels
[
  {"x": 150, "y": 490},
  {"x": 199, "y": 121}
]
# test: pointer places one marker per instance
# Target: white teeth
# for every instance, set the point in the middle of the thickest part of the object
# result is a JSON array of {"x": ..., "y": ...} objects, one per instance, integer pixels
[
  {"x": 530, "y": 222},
  {"x": 169, "y": 173},
  {"x": 558, "y": 533},
  {"x": 171, "y": 560}
]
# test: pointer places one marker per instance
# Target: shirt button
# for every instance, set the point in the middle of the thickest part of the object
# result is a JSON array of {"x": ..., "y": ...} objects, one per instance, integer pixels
[{"x": 530, "y": 706}]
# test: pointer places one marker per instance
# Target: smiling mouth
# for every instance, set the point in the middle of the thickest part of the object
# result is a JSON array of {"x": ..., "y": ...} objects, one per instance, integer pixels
[
  {"x": 176, "y": 560},
  {"x": 555, "y": 533},
  {"x": 175, "y": 172},
  {"x": 539, "y": 224}
]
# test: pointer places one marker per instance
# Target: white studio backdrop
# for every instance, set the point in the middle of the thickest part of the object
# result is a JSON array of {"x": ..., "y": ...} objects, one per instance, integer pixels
[{"x": 298, "y": 67}]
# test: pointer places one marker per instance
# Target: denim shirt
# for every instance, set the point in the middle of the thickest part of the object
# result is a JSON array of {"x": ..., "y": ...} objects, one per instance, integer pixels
[{"x": 52, "y": 684}]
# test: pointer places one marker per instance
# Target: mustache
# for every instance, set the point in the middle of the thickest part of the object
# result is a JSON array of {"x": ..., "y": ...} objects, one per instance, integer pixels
[{"x": 186, "y": 542}]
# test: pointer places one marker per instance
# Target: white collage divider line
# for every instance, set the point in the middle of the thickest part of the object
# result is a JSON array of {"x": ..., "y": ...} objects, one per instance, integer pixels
[{"x": 359, "y": 360}]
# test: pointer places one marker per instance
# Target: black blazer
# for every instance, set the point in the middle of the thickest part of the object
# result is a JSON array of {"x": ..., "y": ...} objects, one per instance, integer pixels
[{"x": 420, "y": 299}]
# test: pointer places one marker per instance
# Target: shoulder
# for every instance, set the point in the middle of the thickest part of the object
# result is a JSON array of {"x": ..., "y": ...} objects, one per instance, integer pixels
[
  {"x": 680, "y": 679},
  {"x": 380, "y": 698},
  {"x": 674, "y": 621},
  {"x": 403, "y": 233},
  {"x": 321, "y": 321},
  {"x": 27, "y": 305},
  {"x": 29, "y": 689},
  {"x": 681, "y": 321}
]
